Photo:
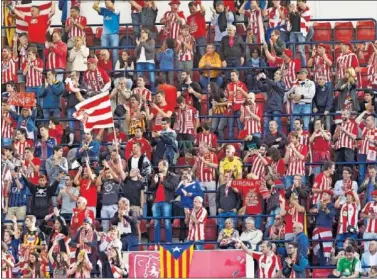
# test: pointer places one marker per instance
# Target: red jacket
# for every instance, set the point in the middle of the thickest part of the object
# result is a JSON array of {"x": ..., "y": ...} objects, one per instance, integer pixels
[
  {"x": 56, "y": 56},
  {"x": 79, "y": 216}
]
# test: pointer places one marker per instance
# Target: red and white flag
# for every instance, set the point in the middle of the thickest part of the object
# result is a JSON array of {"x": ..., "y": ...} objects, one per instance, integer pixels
[
  {"x": 95, "y": 112},
  {"x": 21, "y": 25}
]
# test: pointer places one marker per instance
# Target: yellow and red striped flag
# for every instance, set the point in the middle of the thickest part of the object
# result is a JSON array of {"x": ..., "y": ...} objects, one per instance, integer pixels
[{"x": 175, "y": 260}]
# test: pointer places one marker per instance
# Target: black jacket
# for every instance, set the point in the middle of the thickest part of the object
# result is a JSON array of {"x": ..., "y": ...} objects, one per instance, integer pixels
[
  {"x": 237, "y": 51},
  {"x": 270, "y": 140},
  {"x": 131, "y": 219},
  {"x": 49, "y": 231},
  {"x": 229, "y": 202},
  {"x": 323, "y": 98},
  {"x": 275, "y": 94},
  {"x": 170, "y": 185}
]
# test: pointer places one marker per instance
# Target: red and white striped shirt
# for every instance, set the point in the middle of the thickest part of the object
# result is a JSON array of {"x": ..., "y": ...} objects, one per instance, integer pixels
[
  {"x": 268, "y": 265},
  {"x": 304, "y": 138},
  {"x": 6, "y": 270},
  {"x": 365, "y": 133},
  {"x": 30, "y": 173},
  {"x": 203, "y": 172},
  {"x": 34, "y": 77},
  {"x": 96, "y": 80},
  {"x": 19, "y": 147},
  {"x": 234, "y": 95},
  {"x": 258, "y": 168},
  {"x": 9, "y": 70},
  {"x": 321, "y": 182},
  {"x": 274, "y": 19},
  {"x": 22, "y": 54},
  {"x": 144, "y": 93},
  {"x": 349, "y": 216},
  {"x": 56, "y": 56},
  {"x": 251, "y": 125},
  {"x": 344, "y": 141},
  {"x": 288, "y": 71},
  {"x": 305, "y": 20},
  {"x": 210, "y": 139},
  {"x": 345, "y": 61},
  {"x": 372, "y": 70},
  {"x": 295, "y": 165},
  {"x": 184, "y": 53},
  {"x": 196, "y": 231},
  {"x": 185, "y": 120},
  {"x": 172, "y": 28},
  {"x": 292, "y": 216},
  {"x": 256, "y": 24},
  {"x": 6, "y": 128},
  {"x": 75, "y": 31},
  {"x": 321, "y": 68},
  {"x": 371, "y": 209}
]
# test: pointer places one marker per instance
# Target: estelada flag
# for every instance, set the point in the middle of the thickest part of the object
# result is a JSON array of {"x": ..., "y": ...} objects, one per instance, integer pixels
[
  {"x": 95, "y": 112},
  {"x": 175, "y": 260}
]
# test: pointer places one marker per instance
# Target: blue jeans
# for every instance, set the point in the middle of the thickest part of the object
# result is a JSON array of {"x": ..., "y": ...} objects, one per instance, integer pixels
[
  {"x": 230, "y": 63},
  {"x": 310, "y": 34},
  {"x": 224, "y": 215},
  {"x": 201, "y": 43},
  {"x": 362, "y": 167},
  {"x": 298, "y": 109},
  {"x": 142, "y": 66},
  {"x": 267, "y": 119},
  {"x": 111, "y": 40},
  {"x": 136, "y": 19},
  {"x": 71, "y": 123},
  {"x": 217, "y": 126},
  {"x": 130, "y": 242},
  {"x": 204, "y": 82},
  {"x": 231, "y": 124},
  {"x": 51, "y": 112},
  {"x": 288, "y": 181},
  {"x": 342, "y": 236},
  {"x": 6, "y": 141},
  {"x": 162, "y": 209},
  {"x": 298, "y": 37}
]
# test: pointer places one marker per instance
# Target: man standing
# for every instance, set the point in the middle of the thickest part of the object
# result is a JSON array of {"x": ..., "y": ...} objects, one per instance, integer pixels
[
  {"x": 257, "y": 158},
  {"x": 96, "y": 79},
  {"x": 301, "y": 239},
  {"x": 230, "y": 163},
  {"x": 347, "y": 59},
  {"x": 301, "y": 95},
  {"x": 222, "y": 18},
  {"x": 80, "y": 213},
  {"x": 227, "y": 201},
  {"x": 139, "y": 161},
  {"x": 325, "y": 213},
  {"x": 186, "y": 121},
  {"x": 109, "y": 188},
  {"x": 275, "y": 97},
  {"x": 146, "y": 148},
  {"x": 164, "y": 184},
  {"x": 369, "y": 258},
  {"x": 344, "y": 185},
  {"x": 344, "y": 137},
  {"x": 159, "y": 110},
  {"x": 321, "y": 63},
  {"x": 251, "y": 117},
  {"x": 197, "y": 218},
  {"x": 295, "y": 157},
  {"x": 367, "y": 152},
  {"x": 110, "y": 33},
  {"x": 369, "y": 185},
  {"x": 190, "y": 90},
  {"x": 295, "y": 264},
  {"x": 56, "y": 55},
  {"x": 369, "y": 212},
  {"x": 323, "y": 182},
  {"x": 232, "y": 49},
  {"x": 89, "y": 149},
  {"x": 44, "y": 147},
  {"x": 269, "y": 263},
  {"x": 204, "y": 169},
  {"x": 323, "y": 99},
  {"x": 320, "y": 143},
  {"x": 75, "y": 26},
  {"x": 56, "y": 164},
  {"x": 277, "y": 15},
  {"x": 173, "y": 20},
  {"x": 236, "y": 93},
  {"x": 197, "y": 23}
]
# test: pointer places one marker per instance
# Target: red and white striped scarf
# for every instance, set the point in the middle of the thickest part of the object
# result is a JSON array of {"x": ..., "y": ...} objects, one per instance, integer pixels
[{"x": 371, "y": 154}]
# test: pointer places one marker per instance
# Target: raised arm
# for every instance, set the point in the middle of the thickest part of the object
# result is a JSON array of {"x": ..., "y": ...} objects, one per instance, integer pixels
[{"x": 96, "y": 6}]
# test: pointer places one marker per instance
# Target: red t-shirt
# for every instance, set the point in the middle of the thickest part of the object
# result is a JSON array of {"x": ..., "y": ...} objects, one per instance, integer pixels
[
  {"x": 170, "y": 94},
  {"x": 107, "y": 66},
  {"x": 33, "y": 175},
  {"x": 120, "y": 136},
  {"x": 37, "y": 28},
  {"x": 197, "y": 23},
  {"x": 56, "y": 133},
  {"x": 160, "y": 193},
  {"x": 158, "y": 117},
  {"x": 90, "y": 194},
  {"x": 145, "y": 147},
  {"x": 181, "y": 161}
]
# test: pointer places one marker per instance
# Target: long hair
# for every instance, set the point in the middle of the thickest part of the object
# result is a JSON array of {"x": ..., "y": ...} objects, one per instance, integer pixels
[
  {"x": 216, "y": 92},
  {"x": 352, "y": 75}
]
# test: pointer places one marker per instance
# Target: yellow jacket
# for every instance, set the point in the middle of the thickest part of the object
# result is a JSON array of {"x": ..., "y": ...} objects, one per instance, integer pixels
[{"x": 214, "y": 60}]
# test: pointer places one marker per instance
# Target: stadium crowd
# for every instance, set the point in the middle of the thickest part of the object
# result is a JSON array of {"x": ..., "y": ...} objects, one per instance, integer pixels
[{"x": 301, "y": 129}]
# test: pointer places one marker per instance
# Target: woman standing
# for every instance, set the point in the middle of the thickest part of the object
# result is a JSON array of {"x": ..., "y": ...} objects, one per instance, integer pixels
[
  {"x": 82, "y": 267},
  {"x": 145, "y": 53},
  {"x": 347, "y": 99},
  {"x": 218, "y": 105}
]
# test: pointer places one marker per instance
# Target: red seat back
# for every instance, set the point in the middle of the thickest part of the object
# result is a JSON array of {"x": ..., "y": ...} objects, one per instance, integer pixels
[
  {"x": 366, "y": 30},
  {"x": 343, "y": 31},
  {"x": 321, "y": 273},
  {"x": 322, "y": 31}
]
